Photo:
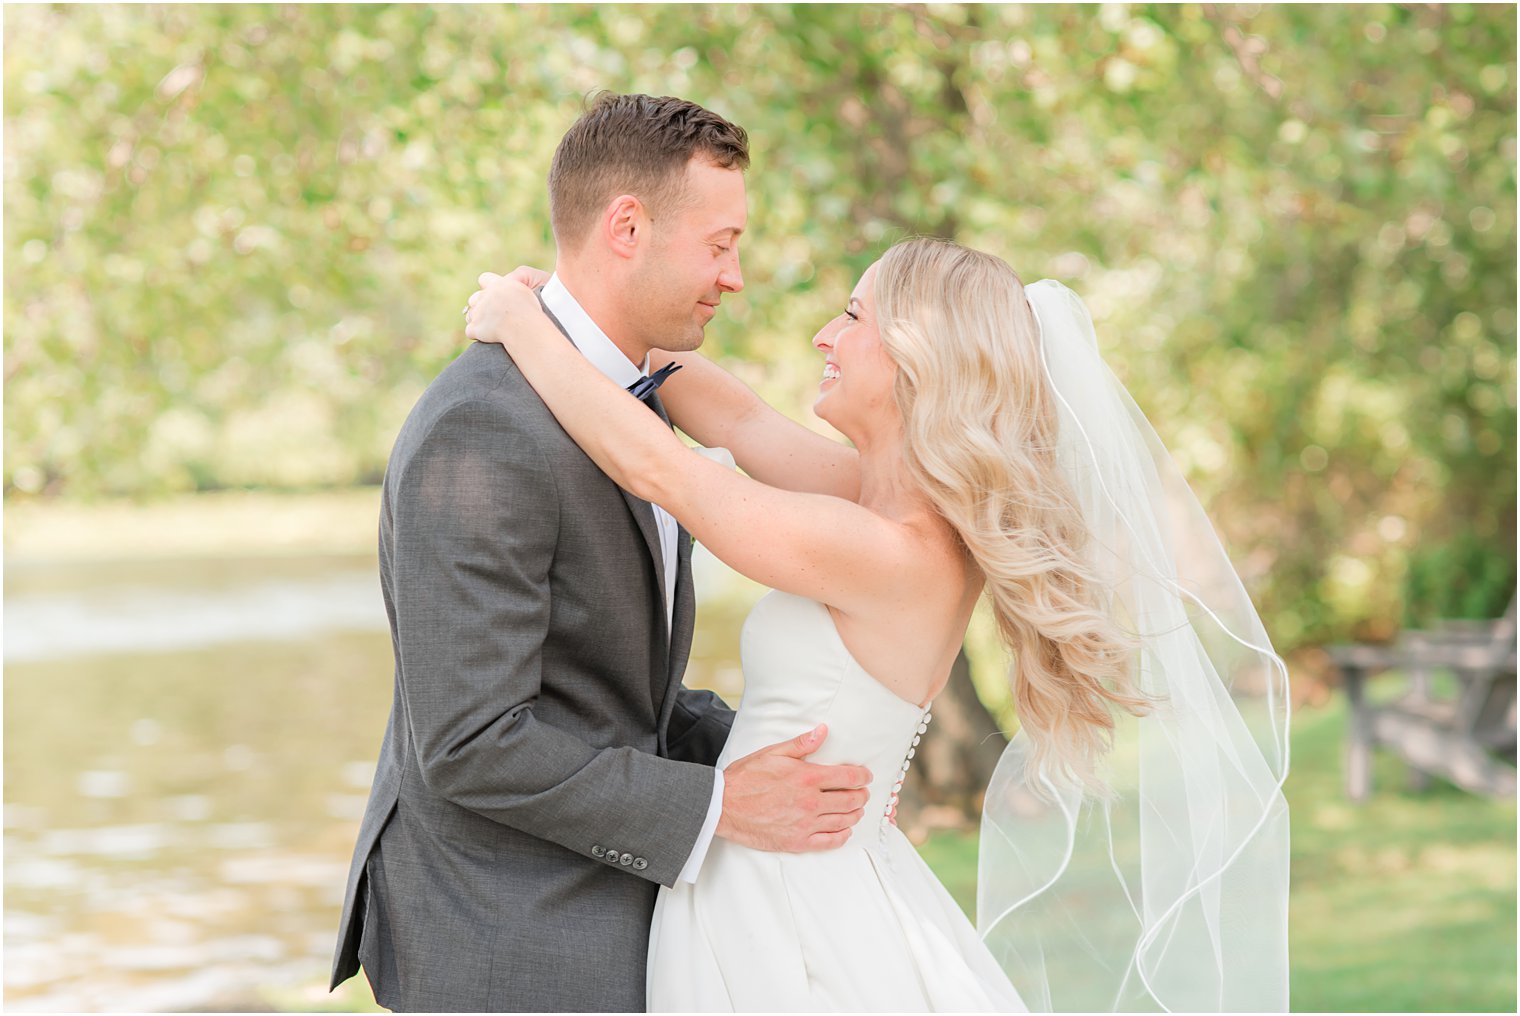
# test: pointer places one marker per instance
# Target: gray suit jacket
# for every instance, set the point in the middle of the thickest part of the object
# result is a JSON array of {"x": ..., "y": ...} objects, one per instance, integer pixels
[{"x": 543, "y": 771}]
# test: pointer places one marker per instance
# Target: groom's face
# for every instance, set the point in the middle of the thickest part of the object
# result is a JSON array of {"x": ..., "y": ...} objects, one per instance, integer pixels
[{"x": 692, "y": 259}]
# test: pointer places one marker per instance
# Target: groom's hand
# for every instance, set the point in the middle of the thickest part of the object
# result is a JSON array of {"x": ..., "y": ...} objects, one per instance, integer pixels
[{"x": 773, "y": 800}]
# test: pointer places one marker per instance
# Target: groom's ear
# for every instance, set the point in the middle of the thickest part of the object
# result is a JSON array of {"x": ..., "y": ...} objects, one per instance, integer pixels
[{"x": 626, "y": 225}]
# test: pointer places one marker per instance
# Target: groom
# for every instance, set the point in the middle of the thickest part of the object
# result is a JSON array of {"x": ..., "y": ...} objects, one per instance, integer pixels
[{"x": 544, "y": 771}]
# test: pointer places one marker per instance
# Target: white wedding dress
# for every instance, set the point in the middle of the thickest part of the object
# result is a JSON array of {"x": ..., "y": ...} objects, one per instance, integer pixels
[{"x": 865, "y": 927}]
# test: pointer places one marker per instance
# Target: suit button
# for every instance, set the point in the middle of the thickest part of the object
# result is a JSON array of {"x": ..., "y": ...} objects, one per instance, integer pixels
[
  {"x": 598, "y": 851},
  {"x": 639, "y": 864},
  {"x": 612, "y": 855},
  {"x": 625, "y": 860}
]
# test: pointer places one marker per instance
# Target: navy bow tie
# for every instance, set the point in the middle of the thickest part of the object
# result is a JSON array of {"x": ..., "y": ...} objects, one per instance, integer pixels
[{"x": 645, "y": 386}]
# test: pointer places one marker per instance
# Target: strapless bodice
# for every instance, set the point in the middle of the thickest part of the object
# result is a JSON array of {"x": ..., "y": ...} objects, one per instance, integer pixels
[
  {"x": 798, "y": 674},
  {"x": 862, "y": 928}
]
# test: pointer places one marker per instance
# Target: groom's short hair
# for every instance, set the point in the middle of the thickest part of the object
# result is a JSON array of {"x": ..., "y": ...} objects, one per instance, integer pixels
[{"x": 634, "y": 144}]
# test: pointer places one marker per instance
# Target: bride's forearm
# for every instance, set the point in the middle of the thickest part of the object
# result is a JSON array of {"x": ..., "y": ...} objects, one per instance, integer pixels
[
  {"x": 704, "y": 400},
  {"x": 627, "y": 442},
  {"x": 719, "y": 410}
]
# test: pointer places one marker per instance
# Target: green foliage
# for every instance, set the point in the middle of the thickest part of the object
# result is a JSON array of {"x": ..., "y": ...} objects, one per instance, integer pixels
[
  {"x": 237, "y": 237},
  {"x": 1463, "y": 578}
]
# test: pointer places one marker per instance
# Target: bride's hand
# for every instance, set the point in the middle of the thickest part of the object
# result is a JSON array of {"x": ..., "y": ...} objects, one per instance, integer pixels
[
  {"x": 529, "y": 276},
  {"x": 502, "y": 303}
]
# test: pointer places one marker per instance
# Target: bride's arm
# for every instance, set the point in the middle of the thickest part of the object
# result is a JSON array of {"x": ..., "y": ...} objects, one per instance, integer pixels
[
  {"x": 819, "y": 546},
  {"x": 720, "y": 411}
]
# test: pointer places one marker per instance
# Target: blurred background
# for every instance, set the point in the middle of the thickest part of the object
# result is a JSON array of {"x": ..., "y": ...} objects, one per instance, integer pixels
[{"x": 236, "y": 241}]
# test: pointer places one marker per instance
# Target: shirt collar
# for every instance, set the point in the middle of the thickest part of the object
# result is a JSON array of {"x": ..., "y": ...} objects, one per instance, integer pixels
[{"x": 588, "y": 338}]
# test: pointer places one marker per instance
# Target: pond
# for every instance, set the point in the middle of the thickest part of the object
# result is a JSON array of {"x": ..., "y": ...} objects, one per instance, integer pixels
[{"x": 188, "y": 749}]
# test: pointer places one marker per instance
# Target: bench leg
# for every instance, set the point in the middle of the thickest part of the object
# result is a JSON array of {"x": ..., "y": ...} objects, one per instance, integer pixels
[{"x": 1359, "y": 740}]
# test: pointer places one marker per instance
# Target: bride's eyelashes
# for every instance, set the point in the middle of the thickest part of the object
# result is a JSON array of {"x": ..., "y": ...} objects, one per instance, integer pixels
[{"x": 851, "y": 315}]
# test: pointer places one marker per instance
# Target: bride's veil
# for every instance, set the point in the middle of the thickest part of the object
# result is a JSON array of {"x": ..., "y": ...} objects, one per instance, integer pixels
[{"x": 1173, "y": 896}]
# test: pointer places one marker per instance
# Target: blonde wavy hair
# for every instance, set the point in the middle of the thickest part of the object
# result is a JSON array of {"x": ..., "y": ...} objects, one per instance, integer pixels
[{"x": 979, "y": 429}]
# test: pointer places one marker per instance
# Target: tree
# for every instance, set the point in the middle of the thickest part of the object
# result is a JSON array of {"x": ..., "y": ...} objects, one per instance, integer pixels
[{"x": 238, "y": 236}]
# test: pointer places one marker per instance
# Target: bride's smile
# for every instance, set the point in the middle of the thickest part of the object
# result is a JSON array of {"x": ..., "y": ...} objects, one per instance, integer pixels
[{"x": 855, "y": 394}]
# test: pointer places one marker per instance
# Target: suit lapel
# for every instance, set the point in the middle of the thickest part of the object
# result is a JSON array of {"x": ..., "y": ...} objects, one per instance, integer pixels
[
  {"x": 682, "y": 626},
  {"x": 683, "y": 616},
  {"x": 642, "y": 512}
]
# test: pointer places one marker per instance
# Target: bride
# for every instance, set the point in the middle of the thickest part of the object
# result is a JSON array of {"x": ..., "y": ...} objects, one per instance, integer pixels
[{"x": 1134, "y": 838}]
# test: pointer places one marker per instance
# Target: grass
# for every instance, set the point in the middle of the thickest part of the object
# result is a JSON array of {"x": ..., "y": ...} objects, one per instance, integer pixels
[{"x": 1404, "y": 904}]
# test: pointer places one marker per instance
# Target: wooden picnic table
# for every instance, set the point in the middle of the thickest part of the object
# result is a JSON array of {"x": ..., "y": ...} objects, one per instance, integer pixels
[{"x": 1468, "y": 739}]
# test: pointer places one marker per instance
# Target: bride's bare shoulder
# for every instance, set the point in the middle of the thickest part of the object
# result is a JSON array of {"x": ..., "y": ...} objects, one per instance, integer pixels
[{"x": 930, "y": 577}]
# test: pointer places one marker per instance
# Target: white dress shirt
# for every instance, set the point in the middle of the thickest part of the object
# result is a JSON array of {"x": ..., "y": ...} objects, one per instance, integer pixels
[{"x": 610, "y": 360}]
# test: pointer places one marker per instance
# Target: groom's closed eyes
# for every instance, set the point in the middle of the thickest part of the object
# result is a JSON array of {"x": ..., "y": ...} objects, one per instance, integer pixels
[{"x": 724, "y": 239}]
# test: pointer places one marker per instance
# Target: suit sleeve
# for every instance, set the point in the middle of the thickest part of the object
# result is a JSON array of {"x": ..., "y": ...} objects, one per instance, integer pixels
[
  {"x": 699, "y": 726},
  {"x": 475, "y": 523}
]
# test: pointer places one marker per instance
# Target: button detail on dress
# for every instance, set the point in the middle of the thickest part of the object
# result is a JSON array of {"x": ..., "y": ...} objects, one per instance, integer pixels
[{"x": 897, "y": 786}]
